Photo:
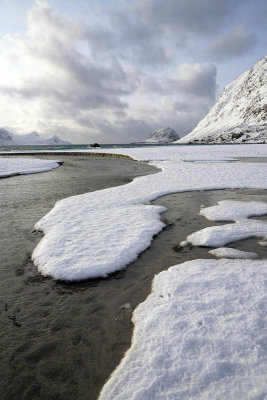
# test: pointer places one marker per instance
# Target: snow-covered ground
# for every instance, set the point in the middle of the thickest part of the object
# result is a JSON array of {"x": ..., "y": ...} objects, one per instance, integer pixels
[
  {"x": 200, "y": 334},
  {"x": 238, "y": 211},
  {"x": 22, "y": 166},
  {"x": 228, "y": 252},
  {"x": 230, "y": 210},
  {"x": 94, "y": 234}
]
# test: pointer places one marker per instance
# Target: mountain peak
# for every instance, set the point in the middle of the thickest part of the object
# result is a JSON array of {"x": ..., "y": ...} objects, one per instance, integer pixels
[
  {"x": 33, "y": 138},
  {"x": 240, "y": 114},
  {"x": 163, "y": 135}
]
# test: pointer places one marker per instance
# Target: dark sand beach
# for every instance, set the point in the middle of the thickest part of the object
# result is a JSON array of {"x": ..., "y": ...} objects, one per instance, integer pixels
[{"x": 60, "y": 340}]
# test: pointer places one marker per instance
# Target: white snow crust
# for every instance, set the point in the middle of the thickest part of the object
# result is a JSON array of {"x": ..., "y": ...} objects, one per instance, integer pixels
[
  {"x": 97, "y": 233},
  {"x": 22, "y": 166},
  {"x": 98, "y": 239},
  {"x": 230, "y": 210},
  {"x": 200, "y": 334},
  {"x": 227, "y": 252},
  {"x": 218, "y": 236}
]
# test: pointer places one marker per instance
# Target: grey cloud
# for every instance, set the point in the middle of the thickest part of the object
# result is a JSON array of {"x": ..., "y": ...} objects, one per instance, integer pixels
[
  {"x": 151, "y": 32},
  {"x": 233, "y": 44},
  {"x": 190, "y": 79},
  {"x": 202, "y": 16},
  {"x": 196, "y": 79}
]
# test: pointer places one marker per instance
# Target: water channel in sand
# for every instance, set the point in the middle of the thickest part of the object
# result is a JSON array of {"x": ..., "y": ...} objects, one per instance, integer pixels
[{"x": 60, "y": 340}]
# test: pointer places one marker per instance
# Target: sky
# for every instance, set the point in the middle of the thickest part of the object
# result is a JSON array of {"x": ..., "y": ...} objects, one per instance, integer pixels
[{"x": 113, "y": 71}]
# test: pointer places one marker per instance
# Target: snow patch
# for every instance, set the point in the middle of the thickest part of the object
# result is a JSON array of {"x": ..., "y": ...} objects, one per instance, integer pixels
[
  {"x": 22, "y": 166},
  {"x": 227, "y": 252},
  {"x": 200, "y": 334},
  {"x": 218, "y": 236},
  {"x": 93, "y": 244},
  {"x": 230, "y": 210}
]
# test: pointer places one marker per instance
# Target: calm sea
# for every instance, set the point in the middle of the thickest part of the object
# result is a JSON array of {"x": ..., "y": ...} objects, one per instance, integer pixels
[{"x": 77, "y": 147}]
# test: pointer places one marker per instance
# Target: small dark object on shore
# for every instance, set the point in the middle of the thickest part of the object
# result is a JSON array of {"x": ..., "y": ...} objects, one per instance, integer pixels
[{"x": 94, "y": 145}]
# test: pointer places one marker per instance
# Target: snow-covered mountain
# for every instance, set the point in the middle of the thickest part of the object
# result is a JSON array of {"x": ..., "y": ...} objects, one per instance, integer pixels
[
  {"x": 164, "y": 135},
  {"x": 240, "y": 114},
  {"x": 10, "y": 139}
]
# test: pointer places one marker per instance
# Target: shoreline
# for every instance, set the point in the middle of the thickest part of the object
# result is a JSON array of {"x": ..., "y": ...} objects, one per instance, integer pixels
[{"x": 68, "y": 153}]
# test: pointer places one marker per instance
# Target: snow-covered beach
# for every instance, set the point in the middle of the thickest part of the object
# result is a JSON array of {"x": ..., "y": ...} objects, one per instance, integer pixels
[{"x": 184, "y": 169}]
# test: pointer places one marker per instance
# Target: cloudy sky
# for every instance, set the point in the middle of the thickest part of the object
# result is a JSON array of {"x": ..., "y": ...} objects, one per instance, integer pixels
[{"x": 113, "y": 71}]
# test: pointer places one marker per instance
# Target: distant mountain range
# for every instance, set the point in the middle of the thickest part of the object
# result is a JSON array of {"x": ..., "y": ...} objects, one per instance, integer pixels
[
  {"x": 30, "y": 139},
  {"x": 240, "y": 114}
]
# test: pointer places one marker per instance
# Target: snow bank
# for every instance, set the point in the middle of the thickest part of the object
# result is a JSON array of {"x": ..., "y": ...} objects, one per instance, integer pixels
[
  {"x": 74, "y": 247},
  {"x": 22, "y": 166},
  {"x": 227, "y": 252},
  {"x": 200, "y": 334}
]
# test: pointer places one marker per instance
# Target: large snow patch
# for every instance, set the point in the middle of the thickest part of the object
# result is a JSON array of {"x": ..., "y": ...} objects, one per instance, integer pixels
[{"x": 200, "y": 334}]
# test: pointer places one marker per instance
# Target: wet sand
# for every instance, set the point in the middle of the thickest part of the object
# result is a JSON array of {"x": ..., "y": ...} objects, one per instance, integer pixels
[{"x": 62, "y": 341}]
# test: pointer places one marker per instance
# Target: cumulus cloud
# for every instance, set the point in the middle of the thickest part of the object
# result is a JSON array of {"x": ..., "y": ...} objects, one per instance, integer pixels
[{"x": 233, "y": 44}]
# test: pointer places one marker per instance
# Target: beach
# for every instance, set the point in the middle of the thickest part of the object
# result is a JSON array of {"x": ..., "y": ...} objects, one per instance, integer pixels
[{"x": 64, "y": 339}]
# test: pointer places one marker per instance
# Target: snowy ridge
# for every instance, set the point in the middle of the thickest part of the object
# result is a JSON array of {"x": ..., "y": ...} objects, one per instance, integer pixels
[
  {"x": 240, "y": 114},
  {"x": 164, "y": 135},
  {"x": 10, "y": 139}
]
